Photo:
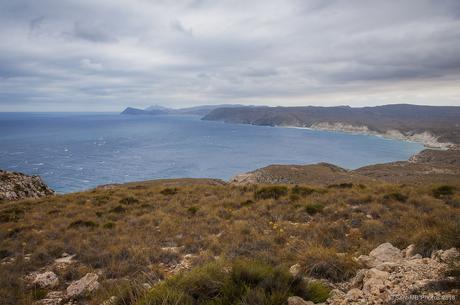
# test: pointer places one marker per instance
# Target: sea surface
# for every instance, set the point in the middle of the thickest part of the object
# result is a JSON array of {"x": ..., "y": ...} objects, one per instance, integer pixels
[{"x": 78, "y": 151}]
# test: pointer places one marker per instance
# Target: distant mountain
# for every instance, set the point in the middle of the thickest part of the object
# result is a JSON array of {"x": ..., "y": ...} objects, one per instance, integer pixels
[
  {"x": 136, "y": 111},
  {"x": 432, "y": 125},
  {"x": 157, "y": 109}
]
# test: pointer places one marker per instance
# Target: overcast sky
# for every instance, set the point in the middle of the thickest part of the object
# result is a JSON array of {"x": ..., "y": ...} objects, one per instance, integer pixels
[{"x": 103, "y": 55}]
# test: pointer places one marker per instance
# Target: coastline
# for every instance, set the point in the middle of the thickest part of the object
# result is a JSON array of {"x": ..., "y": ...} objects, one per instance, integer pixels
[{"x": 425, "y": 138}]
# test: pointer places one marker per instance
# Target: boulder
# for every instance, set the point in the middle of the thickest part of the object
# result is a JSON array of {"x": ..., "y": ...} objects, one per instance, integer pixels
[
  {"x": 374, "y": 281},
  {"x": 299, "y": 301},
  {"x": 367, "y": 261},
  {"x": 445, "y": 256},
  {"x": 83, "y": 286},
  {"x": 386, "y": 253},
  {"x": 409, "y": 251},
  {"x": 46, "y": 279},
  {"x": 354, "y": 294},
  {"x": 52, "y": 298}
]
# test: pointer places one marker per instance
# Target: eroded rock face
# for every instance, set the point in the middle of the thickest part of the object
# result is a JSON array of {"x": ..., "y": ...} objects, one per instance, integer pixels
[
  {"x": 15, "y": 186},
  {"x": 83, "y": 286}
]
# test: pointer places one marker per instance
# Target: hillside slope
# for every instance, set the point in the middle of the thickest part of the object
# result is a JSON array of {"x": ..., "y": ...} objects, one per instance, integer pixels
[
  {"x": 115, "y": 242},
  {"x": 428, "y": 166},
  {"x": 431, "y": 125}
]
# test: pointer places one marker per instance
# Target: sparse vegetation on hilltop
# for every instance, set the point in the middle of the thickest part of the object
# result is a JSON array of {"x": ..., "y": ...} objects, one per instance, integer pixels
[{"x": 143, "y": 233}]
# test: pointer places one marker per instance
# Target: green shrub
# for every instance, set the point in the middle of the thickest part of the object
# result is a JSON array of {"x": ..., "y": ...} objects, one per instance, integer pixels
[
  {"x": 313, "y": 208},
  {"x": 443, "y": 191},
  {"x": 38, "y": 293},
  {"x": 396, "y": 197},
  {"x": 302, "y": 191},
  {"x": 247, "y": 202},
  {"x": 341, "y": 186},
  {"x": 431, "y": 239},
  {"x": 129, "y": 200},
  {"x": 118, "y": 209},
  {"x": 317, "y": 292},
  {"x": 274, "y": 192},
  {"x": 325, "y": 263},
  {"x": 243, "y": 282},
  {"x": 169, "y": 191},
  {"x": 83, "y": 224},
  {"x": 193, "y": 210},
  {"x": 109, "y": 225}
]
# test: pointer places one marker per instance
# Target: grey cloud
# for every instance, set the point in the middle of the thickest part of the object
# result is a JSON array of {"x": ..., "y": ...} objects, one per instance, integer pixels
[
  {"x": 260, "y": 72},
  {"x": 178, "y": 26},
  {"x": 121, "y": 53},
  {"x": 92, "y": 33}
]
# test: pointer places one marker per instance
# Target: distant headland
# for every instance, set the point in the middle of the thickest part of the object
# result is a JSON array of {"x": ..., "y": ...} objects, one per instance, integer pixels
[{"x": 433, "y": 126}]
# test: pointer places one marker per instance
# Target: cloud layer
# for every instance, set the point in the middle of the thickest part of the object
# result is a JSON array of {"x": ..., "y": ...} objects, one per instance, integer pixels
[{"x": 107, "y": 54}]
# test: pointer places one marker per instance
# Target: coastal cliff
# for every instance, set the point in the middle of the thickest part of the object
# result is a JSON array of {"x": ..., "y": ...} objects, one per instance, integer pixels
[
  {"x": 15, "y": 186},
  {"x": 433, "y": 126}
]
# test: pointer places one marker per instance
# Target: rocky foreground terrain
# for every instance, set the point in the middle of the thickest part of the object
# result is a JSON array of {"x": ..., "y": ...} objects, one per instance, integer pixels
[
  {"x": 206, "y": 241},
  {"x": 14, "y": 186}
]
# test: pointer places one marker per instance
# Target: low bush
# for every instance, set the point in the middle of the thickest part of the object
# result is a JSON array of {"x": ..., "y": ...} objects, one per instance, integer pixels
[
  {"x": 169, "y": 191},
  {"x": 118, "y": 209},
  {"x": 431, "y": 239},
  {"x": 314, "y": 208},
  {"x": 109, "y": 225},
  {"x": 129, "y": 200},
  {"x": 271, "y": 192},
  {"x": 83, "y": 224},
  {"x": 247, "y": 202},
  {"x": 326, "y": 263},
  {"x": 242, "y": 282},
  {"x": 396, "y": 197},
  {"x": 193, "y": 210},
  {"x": 443, "y": 191},
  {"x": 302, "y": 191},
  {"x": 317, "y": 292},
  {"x": 341, "y": 186}
]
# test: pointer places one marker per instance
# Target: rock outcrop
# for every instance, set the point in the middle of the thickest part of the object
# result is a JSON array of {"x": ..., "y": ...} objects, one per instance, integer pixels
[
  {"x": 14, "y": 186},
  {"x": 46, "y": 279},
  {"x": 397, "y": 277},
  {"x": 83, "y": 286}
]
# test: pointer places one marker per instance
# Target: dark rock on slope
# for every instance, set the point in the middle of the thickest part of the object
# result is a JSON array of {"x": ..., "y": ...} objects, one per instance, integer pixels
[{"x": 14, "y": 186}]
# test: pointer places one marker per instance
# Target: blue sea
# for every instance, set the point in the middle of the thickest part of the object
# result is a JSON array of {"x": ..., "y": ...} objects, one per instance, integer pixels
[{"x": 78, "y": 151}]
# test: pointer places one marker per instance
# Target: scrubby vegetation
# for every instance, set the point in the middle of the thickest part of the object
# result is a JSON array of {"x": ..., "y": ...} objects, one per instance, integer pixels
[
  {"x": 240, "y": 282},
  {"x": 142, "y": 233}
]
